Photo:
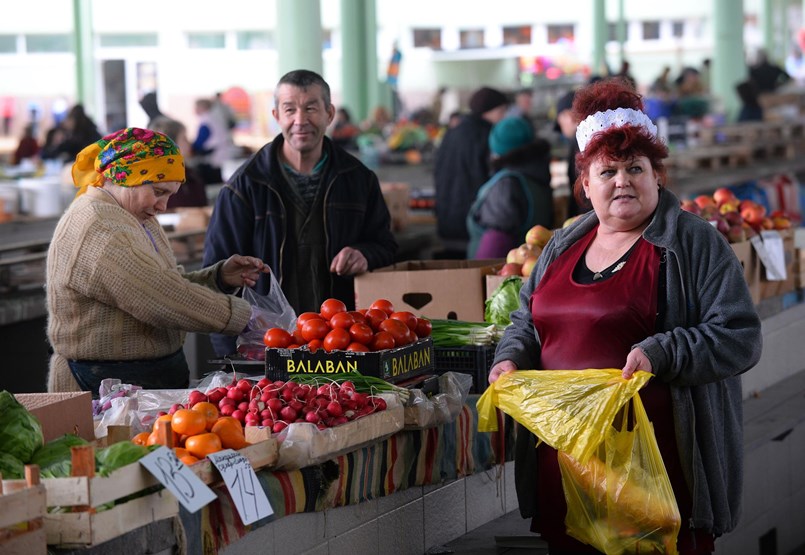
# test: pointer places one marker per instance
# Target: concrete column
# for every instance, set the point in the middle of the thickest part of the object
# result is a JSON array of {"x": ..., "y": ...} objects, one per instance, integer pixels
[
  {"x": 729, "y": 65},
  {"x": 621, "y": 28},
  {"x": 354, "y": 59},
  {"x": 299, "y": 36},
  {"x": 84, "y": 55},
  {"x": 374, "y": 93},
  {"x": 599, "y": 37},
  {"x": 767, "y": 24}
]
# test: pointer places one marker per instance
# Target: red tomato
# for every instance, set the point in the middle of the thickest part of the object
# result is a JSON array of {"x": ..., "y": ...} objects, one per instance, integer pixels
[
  {"x": 342, "y": 320},
  {"x": 423, "y": 327},
  {"x": 361, "y": 333},
  {"x": 277, "y": 338},
  {"x": 382, "y": 340},
  {"x": 314, "y": 345},
  {"x": 297, "y": 337},
  {"x": 358, "y": 316},
  {"x": 397, "y": 329},
  {"x": 315, "y": 328},
  {"x": 374, "y": 317},
  {"x": 406, "y": 318},
  {"x": 384, "y": 305},
  {"x": 336, "y": 340},
  {"x": 304, "y": 317},
  {"x": 358, "y": 347},
  {"x": 331, "y": 307}
]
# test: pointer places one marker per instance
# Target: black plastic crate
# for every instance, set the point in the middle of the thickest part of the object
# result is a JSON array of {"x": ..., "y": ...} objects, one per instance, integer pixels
[
  {"x": 475, "y": 360},
  {"x": 393, "y": 365}
]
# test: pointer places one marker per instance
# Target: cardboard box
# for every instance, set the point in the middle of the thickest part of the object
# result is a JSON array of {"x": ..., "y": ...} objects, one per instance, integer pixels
[
  {"x": 398, "y": 200},
  {"x": 193, "y": 218},
  {"x": 444, "y": 289},
  {"x": 751, "y": 265},
  {"x": 61, "y": 413},
  {"x": 392, "y": 365},
  {"x": 770, "y": 289}
]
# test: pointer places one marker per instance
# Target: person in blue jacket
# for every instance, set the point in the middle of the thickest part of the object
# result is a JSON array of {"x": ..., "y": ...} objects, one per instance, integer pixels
[{"x": 314, "y": 212}]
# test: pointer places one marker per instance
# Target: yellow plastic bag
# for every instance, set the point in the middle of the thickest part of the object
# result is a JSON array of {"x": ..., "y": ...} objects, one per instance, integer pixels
[
  {"x": 621, "y": 500},
  {"x": 618, "y": 493},
  {"x": 569, "y": 410}
]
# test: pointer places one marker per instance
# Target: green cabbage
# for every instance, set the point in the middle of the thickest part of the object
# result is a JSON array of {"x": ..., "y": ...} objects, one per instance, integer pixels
[
  {"x": 118, "y": 455},
  {"x": 54, "y": 457},
  {"x": 503, "y": 301},
  {"x": 20, "y": 431},
  {"x": 11, "y": 467}
]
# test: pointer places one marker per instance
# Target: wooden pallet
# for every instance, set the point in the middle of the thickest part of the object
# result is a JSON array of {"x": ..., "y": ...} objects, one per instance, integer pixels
[
  {"x": 712, "y": 157},
  {"x": 22, "y": 509}
]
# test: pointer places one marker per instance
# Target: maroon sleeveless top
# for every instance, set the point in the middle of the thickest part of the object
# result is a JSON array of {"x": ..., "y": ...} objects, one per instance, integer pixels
[{"x": 595, "y": 325}]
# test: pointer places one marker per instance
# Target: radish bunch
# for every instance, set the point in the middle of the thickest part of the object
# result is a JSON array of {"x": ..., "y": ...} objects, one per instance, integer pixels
[{"x": 276, "y": 404}]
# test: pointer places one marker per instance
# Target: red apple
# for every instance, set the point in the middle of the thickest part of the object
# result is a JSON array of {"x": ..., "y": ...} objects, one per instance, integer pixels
[
  {"x": 736, "y": 234},
  {"x": 705, "y": 201},
  {"x": 723, "y": 195},
  {"x": 691, "y": 206},
  {"x": 753, "y": 213},
  {"x": 511, "y": 269},
  {"x": 538, "y": 236},
  {"x": 528, "y": 265}
]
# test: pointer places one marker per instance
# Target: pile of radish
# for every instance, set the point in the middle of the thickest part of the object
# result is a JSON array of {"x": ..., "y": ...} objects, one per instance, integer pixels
[{"x": 277, "y": 404}]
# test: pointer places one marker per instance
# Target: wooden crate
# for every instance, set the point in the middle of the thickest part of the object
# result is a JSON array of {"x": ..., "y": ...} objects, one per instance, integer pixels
[
  {"x": 261, "y": 454},
  {"x": 22, "y": 509},
  {"x": 85, "y": 493}
]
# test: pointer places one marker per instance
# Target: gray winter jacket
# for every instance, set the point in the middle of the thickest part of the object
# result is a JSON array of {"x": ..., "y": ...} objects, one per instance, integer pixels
[{"x": 710, "y": 335}]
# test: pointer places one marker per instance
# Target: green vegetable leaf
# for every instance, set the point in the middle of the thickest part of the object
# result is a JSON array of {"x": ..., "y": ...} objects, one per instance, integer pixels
[{"x": 503, "y": 301}]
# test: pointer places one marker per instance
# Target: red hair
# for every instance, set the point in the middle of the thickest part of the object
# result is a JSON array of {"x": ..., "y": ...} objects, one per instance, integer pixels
[{"x": 615, "y": 143}]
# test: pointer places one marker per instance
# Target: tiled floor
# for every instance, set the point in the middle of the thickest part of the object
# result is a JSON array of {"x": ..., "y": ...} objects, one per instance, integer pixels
[{"x": 509, "y": 535}]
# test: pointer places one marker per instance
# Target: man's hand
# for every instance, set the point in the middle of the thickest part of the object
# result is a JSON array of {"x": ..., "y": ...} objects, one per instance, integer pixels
[
  {"x": 349, "y": 262},
  {"x": 242, "y": 271},
  {"x": 636, "y": 360},
  {"x": 502, "y": 367}
]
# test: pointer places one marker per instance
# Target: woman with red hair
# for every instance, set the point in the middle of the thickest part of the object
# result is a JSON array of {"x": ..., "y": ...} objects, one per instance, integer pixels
[{"x": 639, "y": 284}]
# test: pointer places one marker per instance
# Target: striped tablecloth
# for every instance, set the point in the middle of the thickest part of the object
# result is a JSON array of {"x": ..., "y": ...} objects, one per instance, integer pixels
[{"x": 408, "y": 458}]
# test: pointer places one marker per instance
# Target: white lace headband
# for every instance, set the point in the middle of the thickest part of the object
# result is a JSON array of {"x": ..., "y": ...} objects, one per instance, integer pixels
[{"x": 618, "y": 117}]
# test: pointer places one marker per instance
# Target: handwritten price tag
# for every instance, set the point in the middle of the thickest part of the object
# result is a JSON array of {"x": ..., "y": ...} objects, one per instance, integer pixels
[
  {"x": 243, "y": 486},
  {"x": 189, "y": 490}
]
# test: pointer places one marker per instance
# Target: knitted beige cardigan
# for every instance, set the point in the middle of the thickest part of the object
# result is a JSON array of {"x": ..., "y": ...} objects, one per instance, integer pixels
[{"x": 114, "y": 295}]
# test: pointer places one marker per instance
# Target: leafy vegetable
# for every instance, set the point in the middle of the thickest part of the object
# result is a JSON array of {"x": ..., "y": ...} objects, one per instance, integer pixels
[
  {"x": 503, "y": 301},
  {"x": 118, "y": 455},
  {"x": 54, "y": 457},
  {"x": 20, "y": 431},
  {"x": 11, "y": 467}
]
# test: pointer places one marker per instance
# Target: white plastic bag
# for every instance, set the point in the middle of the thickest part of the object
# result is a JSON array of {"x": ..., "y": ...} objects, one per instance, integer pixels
[{"x": 268, "y": 311}]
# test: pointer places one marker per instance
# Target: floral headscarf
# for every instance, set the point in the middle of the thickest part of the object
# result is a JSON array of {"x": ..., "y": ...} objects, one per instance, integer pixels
[{"x": 129, "y": 157}]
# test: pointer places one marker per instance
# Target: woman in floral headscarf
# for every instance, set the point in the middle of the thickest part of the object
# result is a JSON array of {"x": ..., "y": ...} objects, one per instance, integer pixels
[{"x": 118, "y": 304}]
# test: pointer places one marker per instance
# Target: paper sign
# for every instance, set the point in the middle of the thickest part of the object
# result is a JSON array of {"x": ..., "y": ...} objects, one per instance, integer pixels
[
  {"x": 172, "y": 473},
  {"x": 769, "y": 248},
  {"x": 243, "y": 486}
]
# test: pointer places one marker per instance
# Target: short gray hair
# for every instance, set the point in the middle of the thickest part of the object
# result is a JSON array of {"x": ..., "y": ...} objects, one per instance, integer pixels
[{"x": 304, "y": 78}]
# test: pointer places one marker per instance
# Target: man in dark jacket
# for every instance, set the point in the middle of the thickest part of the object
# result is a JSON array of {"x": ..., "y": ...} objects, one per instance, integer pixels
[
  {"x": 462, "y": 166},
  {"x": 314, "y": 213}
]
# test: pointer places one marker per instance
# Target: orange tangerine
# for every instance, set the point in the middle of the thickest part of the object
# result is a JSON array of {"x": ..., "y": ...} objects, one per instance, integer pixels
[
  {"x": 188, "y": 422},
  {"x": 201, "y": 445}
]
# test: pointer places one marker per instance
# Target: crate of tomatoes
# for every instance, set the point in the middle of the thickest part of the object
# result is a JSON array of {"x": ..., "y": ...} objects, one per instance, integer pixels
[{"x": 376, "y": 341}]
